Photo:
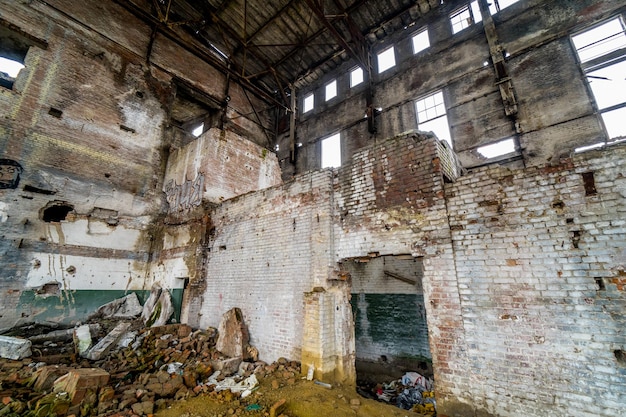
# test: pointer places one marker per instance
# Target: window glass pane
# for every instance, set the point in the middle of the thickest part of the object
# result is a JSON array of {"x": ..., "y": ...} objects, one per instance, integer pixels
[
  {"x": 356, "y": 76},
  {"x": 600, "y": 40},
  {"x": 439, "y": 127},
  {"x": 386, "y": 59},
  {"x": 614, "y": 122},
  {"x": 421, "y": 41},
  {"x": 331, "y": 90},
  {"x": 309, "y": 102},
  {"x": 331, "y": 151},
  {"x": 460, "y": 19},
  {"x": 608, "y": 85}
]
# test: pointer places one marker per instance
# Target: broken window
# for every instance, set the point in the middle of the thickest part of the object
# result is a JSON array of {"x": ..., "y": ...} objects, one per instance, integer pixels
[
  {"x": 331, "y": 90},
  {"x": 309, "y": 102},
  {"x": 198, "y": 130},
  {"x": 465, "y": 17},
  {"x": 602, "y": 55},
  {"x": 14, "y": 46},
  {"x": 331, "y": 151},
  {"x": 356, "y": 76},
  {"x": 420, "y": 41},
  {"x": 431, "y": 116},
  {"x": 386, "y": 59},
  {"x": 193, "y": 111}
]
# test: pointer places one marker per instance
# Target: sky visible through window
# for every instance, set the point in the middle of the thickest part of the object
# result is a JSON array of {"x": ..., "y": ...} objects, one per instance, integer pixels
[
  {"x": 10, "y": 67},
  {"x": 331, "y": 151}
]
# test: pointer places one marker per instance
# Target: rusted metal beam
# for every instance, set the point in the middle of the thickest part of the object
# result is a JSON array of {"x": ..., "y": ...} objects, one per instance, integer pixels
[
  {"x": 198, "y": 50},
  {"x": 350, "y": 49}
]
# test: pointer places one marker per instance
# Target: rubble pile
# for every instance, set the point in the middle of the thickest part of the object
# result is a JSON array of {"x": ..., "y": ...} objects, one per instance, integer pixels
[
  {"x": 411, "y": 392},
  {"x": 131, "y": 370}
]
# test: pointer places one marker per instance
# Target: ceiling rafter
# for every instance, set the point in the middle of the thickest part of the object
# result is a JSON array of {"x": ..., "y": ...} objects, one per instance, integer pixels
[
  {"x": 357, "y": 53},
  {"x": 223, "y": 26},
  {"x": 199, "y": 50}
]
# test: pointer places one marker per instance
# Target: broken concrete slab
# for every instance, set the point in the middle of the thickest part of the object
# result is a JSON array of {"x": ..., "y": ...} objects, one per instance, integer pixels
[
  {"x": 62, "y": 335},
  {"x": 82, "y": 338},
  {"x": 107, "y": 342},
  {"x": 78, "y": 381},
  {"x": 228, "y": 366},
  {"x": 158, "y": 307},
  {"x": 14, "y": 348},
  {"x": 127, "y": 307},
  {"x": 233, "y": 334}
]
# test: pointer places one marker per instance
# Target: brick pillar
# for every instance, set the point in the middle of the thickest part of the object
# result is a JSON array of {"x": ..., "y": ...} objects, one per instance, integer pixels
[{"x": 328, "y": 336}]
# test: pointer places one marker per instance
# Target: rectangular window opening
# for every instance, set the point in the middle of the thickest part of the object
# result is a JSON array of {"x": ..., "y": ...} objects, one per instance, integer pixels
[
  {"x": 331, "y": 90},
  {"x": 356, "y": 77},
  {"x": 431, "y": 116},
  {"x": 309, "y": 103},
  {"x": 421, "y": 41},
  {"x": 601, "y": 51},
  {"x": 500, "y": 148},
  {"x": 331, "y": 151},
  {"x": 386, "y": 59},
  {"x": 496, "y": 5}
]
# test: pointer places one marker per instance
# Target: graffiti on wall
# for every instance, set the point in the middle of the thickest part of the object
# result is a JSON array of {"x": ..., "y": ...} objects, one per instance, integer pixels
[
  {"x": 10, "y": 171},
  {"x": 186, "y": 195}
]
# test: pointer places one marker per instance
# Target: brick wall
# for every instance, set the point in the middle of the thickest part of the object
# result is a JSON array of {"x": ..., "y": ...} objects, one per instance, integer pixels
[
  {"x": 523, "y": 273},
  {"x": 540, "y": 264},
  {"x": 263, "y": 258}
]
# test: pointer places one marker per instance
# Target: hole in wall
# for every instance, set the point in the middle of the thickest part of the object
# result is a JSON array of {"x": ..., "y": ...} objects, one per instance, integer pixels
[
  {"x": 56, "y": 211},
  {"x": 620, "y": 355},
  {"x": 55, "y": 112},
  {"x": 600, "y": 283},
  {"x": 391, "y": 332},
  {"x": 50, "y": 288},
  {"x": 590, "y": 183}
]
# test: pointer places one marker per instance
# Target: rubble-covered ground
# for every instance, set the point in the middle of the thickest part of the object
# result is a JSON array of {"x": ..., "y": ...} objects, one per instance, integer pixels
[{"x": 168, "y": 370}]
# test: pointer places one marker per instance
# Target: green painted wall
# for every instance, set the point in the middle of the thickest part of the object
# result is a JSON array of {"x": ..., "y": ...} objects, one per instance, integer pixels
[
  {"x": 70, "y": 307},
  {"x": 393, "y": 325}
]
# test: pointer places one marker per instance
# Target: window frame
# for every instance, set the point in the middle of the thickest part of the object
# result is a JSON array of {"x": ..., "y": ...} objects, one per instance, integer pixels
[
  {"x": 601, "y": 62},
  {"x": 362, "y": 76},
  {"x": 382, "y": 52},
  {"x": 444, "y": 116},
  {"x": 417, "y": 34}
]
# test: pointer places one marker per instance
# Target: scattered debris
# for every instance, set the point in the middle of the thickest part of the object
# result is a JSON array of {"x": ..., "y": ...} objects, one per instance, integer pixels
[
  {"x": 14, "y": 348},
  {"x": 158, "y": 307},
  {"x": 411, "y": 392},
  {"x": 123, "y": 308},
  {"x": 232, "y": 334}
]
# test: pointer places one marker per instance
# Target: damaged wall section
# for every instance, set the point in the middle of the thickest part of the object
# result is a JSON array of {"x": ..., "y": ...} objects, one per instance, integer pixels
[
  {"x": 85, "y": 138},
  {"x": 513, "y": 260}
]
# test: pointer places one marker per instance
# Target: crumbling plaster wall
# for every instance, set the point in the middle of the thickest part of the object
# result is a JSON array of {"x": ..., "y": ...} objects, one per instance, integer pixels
[
  {"x": 523, "y": 272},
  {"x": 87, "y": 126},
  {"x": 555, "y": 111}
]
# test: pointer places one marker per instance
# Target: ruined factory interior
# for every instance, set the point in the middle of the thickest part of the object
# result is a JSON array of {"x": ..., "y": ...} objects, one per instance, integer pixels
[{"x": 427, "y": 190}]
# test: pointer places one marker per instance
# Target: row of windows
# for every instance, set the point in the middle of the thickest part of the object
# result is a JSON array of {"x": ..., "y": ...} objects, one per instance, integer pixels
[
  {"x": 386, "y": 59},
  {"x": 602, "y": 55}
]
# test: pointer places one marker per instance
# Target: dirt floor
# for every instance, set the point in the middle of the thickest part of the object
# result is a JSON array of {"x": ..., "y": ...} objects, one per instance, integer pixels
[{"x": 303, "y": 399}]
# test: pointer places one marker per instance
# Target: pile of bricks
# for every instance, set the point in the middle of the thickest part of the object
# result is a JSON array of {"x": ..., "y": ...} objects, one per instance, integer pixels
[{"x": 158, "y": 365}]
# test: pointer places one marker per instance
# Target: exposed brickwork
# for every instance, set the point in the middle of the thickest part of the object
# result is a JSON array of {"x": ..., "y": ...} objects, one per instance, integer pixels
[{"x": 539, "y": 265}]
